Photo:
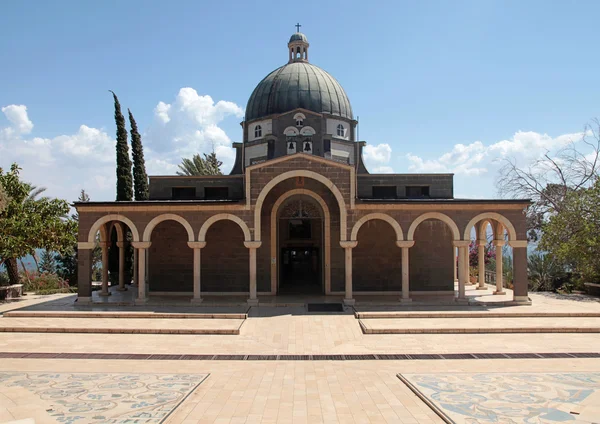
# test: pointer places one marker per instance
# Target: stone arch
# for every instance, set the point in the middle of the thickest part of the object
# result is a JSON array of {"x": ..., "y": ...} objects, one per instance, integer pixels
[
  {"x": 112, "y": 217},
  {"x": 433, "y": 215},
  {"x": 219, "y": 217},
  {"x": 300, "y": 173},
  {"x": 120, "y": 233},
  {"x": 167, "y": 217},
  {"x": 382, "y": 216},
  {"x": 326, "y": 236},
  {"x": 500, "y": 219}
]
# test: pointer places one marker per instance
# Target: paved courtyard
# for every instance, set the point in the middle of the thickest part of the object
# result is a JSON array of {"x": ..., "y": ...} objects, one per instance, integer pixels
[{"x": 288, "y": 365}]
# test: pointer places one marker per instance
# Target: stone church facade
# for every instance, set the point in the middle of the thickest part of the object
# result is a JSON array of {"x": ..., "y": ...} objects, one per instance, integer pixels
[{"x": 300, "y": 213}]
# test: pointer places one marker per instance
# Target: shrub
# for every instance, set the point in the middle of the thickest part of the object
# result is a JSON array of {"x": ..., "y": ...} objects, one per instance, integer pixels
[
  {"x": 4, "y": 280},
  {"x": 45, "y": 283}
]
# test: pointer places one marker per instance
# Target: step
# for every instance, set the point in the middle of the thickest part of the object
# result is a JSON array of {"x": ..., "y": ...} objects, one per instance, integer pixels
[
  {"x": 120, "y": 326},
  {"x": 462, "y": 314},
  {"x": 122, "y": 314},
  {"x": 479, "y": 325}
]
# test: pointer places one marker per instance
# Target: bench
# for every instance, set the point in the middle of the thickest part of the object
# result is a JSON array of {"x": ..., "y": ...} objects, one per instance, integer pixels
[{"x": 592, "y": 288}]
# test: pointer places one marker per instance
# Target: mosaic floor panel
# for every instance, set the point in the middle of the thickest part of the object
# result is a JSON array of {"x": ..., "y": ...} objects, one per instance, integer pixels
[
  {"x": 106, "y": 397},
  {"x": 510, "y": 398}
]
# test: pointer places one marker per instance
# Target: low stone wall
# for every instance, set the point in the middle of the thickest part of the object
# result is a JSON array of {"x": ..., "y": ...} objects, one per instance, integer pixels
[{"x": 12, "y": 292}]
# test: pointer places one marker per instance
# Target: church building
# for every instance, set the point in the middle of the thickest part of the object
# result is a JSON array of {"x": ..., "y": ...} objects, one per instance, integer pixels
[{"x": 300, "y": 214}]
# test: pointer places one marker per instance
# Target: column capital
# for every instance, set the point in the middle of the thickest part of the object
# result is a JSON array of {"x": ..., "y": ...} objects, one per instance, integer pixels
[
  {"x": 481, "y": 242},
  {"x": 405, "y": 243},
  {"x": 85, "y": 245},
  {"x": 461, "y": 243},
  {"x": 121, "y": 244},
  {"x": 499, "y": 243},
  {"x": 349, "y": 244},
  {"x": 196, "y": 244},
  {"x": 141, "y": 244},
  {"x": 517, "y": 243},
  {"x": 252, "y": 244}
]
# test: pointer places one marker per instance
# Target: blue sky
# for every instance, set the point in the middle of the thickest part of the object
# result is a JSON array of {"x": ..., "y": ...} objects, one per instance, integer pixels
[{"x": 439, "y": 86}]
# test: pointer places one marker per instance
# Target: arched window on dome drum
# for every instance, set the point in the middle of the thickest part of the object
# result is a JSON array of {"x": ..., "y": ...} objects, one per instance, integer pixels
[
  {"x": 257, "y": 131},
  {"x": 299, "y": 122},
  {"x": 341, "y": 132}
]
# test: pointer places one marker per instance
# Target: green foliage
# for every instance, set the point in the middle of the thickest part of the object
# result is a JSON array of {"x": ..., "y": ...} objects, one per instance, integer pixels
[
  {"x": 45, "y": 283},
  {"x": 572, "y": 235},
  {"x": 124, "y": 180},
  {"x": 4, "y": 199},
  {"x": 29, "y": 223},
  {"x": 4, "y": 280},
  {"x": 545, "y": 272},
  {"x": 140, "y": 178},
  {"x": 209, "y": 165},
  {"x": 48, "y": 262}
]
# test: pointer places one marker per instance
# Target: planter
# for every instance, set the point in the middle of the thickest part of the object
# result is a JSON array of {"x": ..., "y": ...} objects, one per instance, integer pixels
[{"x": 11, "y": 292}]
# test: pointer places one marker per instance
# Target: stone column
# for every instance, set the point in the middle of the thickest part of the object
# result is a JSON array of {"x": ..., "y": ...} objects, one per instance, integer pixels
[
  {"x": 84, "y": 272},
  {"x": 463, "y": 258},
  {"x": 455, "y": 264},
  {"x": 481, "y": 263},
  {"x": 104, "y": 292},
  {"x": 121, "y": 246},
  {"x": 499, "y": 244},
  {"x": 197, "y": 246},
  {"x": 252, "y": 246},
  {"x": 135, "y": 268},
  {"x": 520, "y": 282},
  {"x": 405, "y": 245},
  {"x": 142, "y": 247},
  {"x": 348, "y": 246}
]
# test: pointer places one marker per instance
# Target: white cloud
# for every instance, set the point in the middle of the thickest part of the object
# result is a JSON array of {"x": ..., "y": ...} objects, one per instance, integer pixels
[
  {"x": 383, "y": 170},
  {"x": 377, "y": 157},
  {"x": 17, "y": 115}
]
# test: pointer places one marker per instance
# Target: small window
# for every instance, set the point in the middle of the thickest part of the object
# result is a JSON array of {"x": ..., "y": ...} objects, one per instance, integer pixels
[
  {"x": 271, "y": 149},
  {"x": 257, "y": 131},
  {"x": 341, "y": 132},
  {"x": 384, "y": 192},
  {"x": 327, "y": 146},
  {"x": 299, "y": 122},
  {"x": 183, "y": 193},
  {"x": 417, "y": 192},
  {"x": 216, "y": 193}
]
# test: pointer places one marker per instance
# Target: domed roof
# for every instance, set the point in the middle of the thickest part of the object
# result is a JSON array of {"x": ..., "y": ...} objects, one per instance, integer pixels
[
  {"x": 298, "y": 85},
  {"x": 298, "y": 37}
]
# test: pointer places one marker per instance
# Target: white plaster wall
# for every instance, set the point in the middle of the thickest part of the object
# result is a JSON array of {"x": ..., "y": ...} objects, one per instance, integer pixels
[
  {"x": 267, "y": 128},
  {"x": 256, "y": 151},
  {"x": 343, "y": 150},
  {"x": 332, "y": 128}
]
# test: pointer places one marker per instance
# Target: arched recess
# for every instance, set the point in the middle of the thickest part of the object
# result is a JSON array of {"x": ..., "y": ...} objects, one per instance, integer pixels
[
  {"x": 433, "y": 215},
  {"x": 382, "y": 216},
  {"x": 219, "y": 217},
  {"x": 326, "y": 241},
  {"x": 512, "y": 234},
  {"x": 112, "y": 217},
  {"x": 300, "y": 173},
  {"x": 168, "y": 217}
]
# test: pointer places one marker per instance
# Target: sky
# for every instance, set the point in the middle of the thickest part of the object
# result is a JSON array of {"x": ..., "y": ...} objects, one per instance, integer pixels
[{"x": 437, "y": 86}]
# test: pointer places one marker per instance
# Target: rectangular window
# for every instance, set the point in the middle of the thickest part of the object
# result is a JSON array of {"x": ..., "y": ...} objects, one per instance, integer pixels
[
  {"x": 327, "y": 146},
  {"x": 417, "y": 192},
  {"x": 271, "y": 149},
  {"x": 216, "y": 193},
  {"x": 183, "y": 193},
  {"x": 384, "y": 192}
]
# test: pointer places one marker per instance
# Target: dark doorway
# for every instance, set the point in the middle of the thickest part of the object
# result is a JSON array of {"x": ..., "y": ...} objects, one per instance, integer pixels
[{"x": 300, "y": 270}]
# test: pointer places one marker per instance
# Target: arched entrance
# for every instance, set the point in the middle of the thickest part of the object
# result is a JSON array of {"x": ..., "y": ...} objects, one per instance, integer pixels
[{"x": 300, "y": 235}]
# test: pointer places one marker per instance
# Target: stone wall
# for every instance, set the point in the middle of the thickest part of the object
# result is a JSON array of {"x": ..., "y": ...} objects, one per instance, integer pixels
[
  {"x": 431, "y": 258},
  {"x": 170, "y": 260}
]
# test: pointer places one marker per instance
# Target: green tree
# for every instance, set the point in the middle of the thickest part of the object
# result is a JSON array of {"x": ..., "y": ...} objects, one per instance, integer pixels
[
  {"x": 545, "y": 272},
  {"x": 140, "y": 178},
  {"x": 209, "y": 165},
  {"x": 124, "y": 180},
  {"x": 3, "y": 198},
  {"x": 572, "y": 235},
  {"x": 29, "y": 223},
  {"x": 48, "y": 262}
]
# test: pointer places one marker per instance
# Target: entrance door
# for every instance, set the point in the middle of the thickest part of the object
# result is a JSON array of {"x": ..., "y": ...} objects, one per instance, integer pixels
[{"x": 300, "y": 270}]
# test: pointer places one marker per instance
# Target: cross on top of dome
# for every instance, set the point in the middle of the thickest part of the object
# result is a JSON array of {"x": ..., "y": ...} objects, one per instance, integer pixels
[{"x": 298, "y": 27}]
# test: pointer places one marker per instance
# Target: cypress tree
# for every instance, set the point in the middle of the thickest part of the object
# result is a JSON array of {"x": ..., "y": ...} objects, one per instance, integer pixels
[
  {"x": 140, "y": 178},
  {"x": 124, "y": 180}
]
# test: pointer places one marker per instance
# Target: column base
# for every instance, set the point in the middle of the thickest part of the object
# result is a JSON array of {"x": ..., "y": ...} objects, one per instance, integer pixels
[
  {"x": 121, "y": 289},
  {"x": 481, "y": 288},
  {"x": 196, "y": 300},
  {"x": 463, "y": 300},
  {"x": 104, "y": 294},
  {"x": 81, "y": 300},
  {"x": 252, "y": 302},
  {"x": 405, "y": 300},
  {"x": 349, "y": 302},
  {"x": 141, "y": 301},
  {"x": 499, "y": 292},
  {"x": 522, "y": 300}
]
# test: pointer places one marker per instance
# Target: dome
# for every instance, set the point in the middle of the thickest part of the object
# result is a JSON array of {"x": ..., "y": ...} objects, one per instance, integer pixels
[
  {"x": 298, "y": 37},
  {"x": 298, "y": 85}
]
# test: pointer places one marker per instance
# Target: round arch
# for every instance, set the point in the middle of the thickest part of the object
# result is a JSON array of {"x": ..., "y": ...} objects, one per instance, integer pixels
[
  {"x": 382, "y": 216},
  {"x": 219, "y": 217},
  {"x": 512, "y": 234},
  {"x": 120, "y": 233},
  {"x": 326, "y": 236},
  {"x": 167, "y": 217},
  {"x": 433, "y": 215},
  {"x": 112, "y": 217},
  {"x": 300, "y": 173}
]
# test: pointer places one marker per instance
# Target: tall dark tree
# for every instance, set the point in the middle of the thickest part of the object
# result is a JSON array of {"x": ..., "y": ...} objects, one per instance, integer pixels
[
  {"x": 140, "y": 178},
  {"x": 124, "y": 180}
]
